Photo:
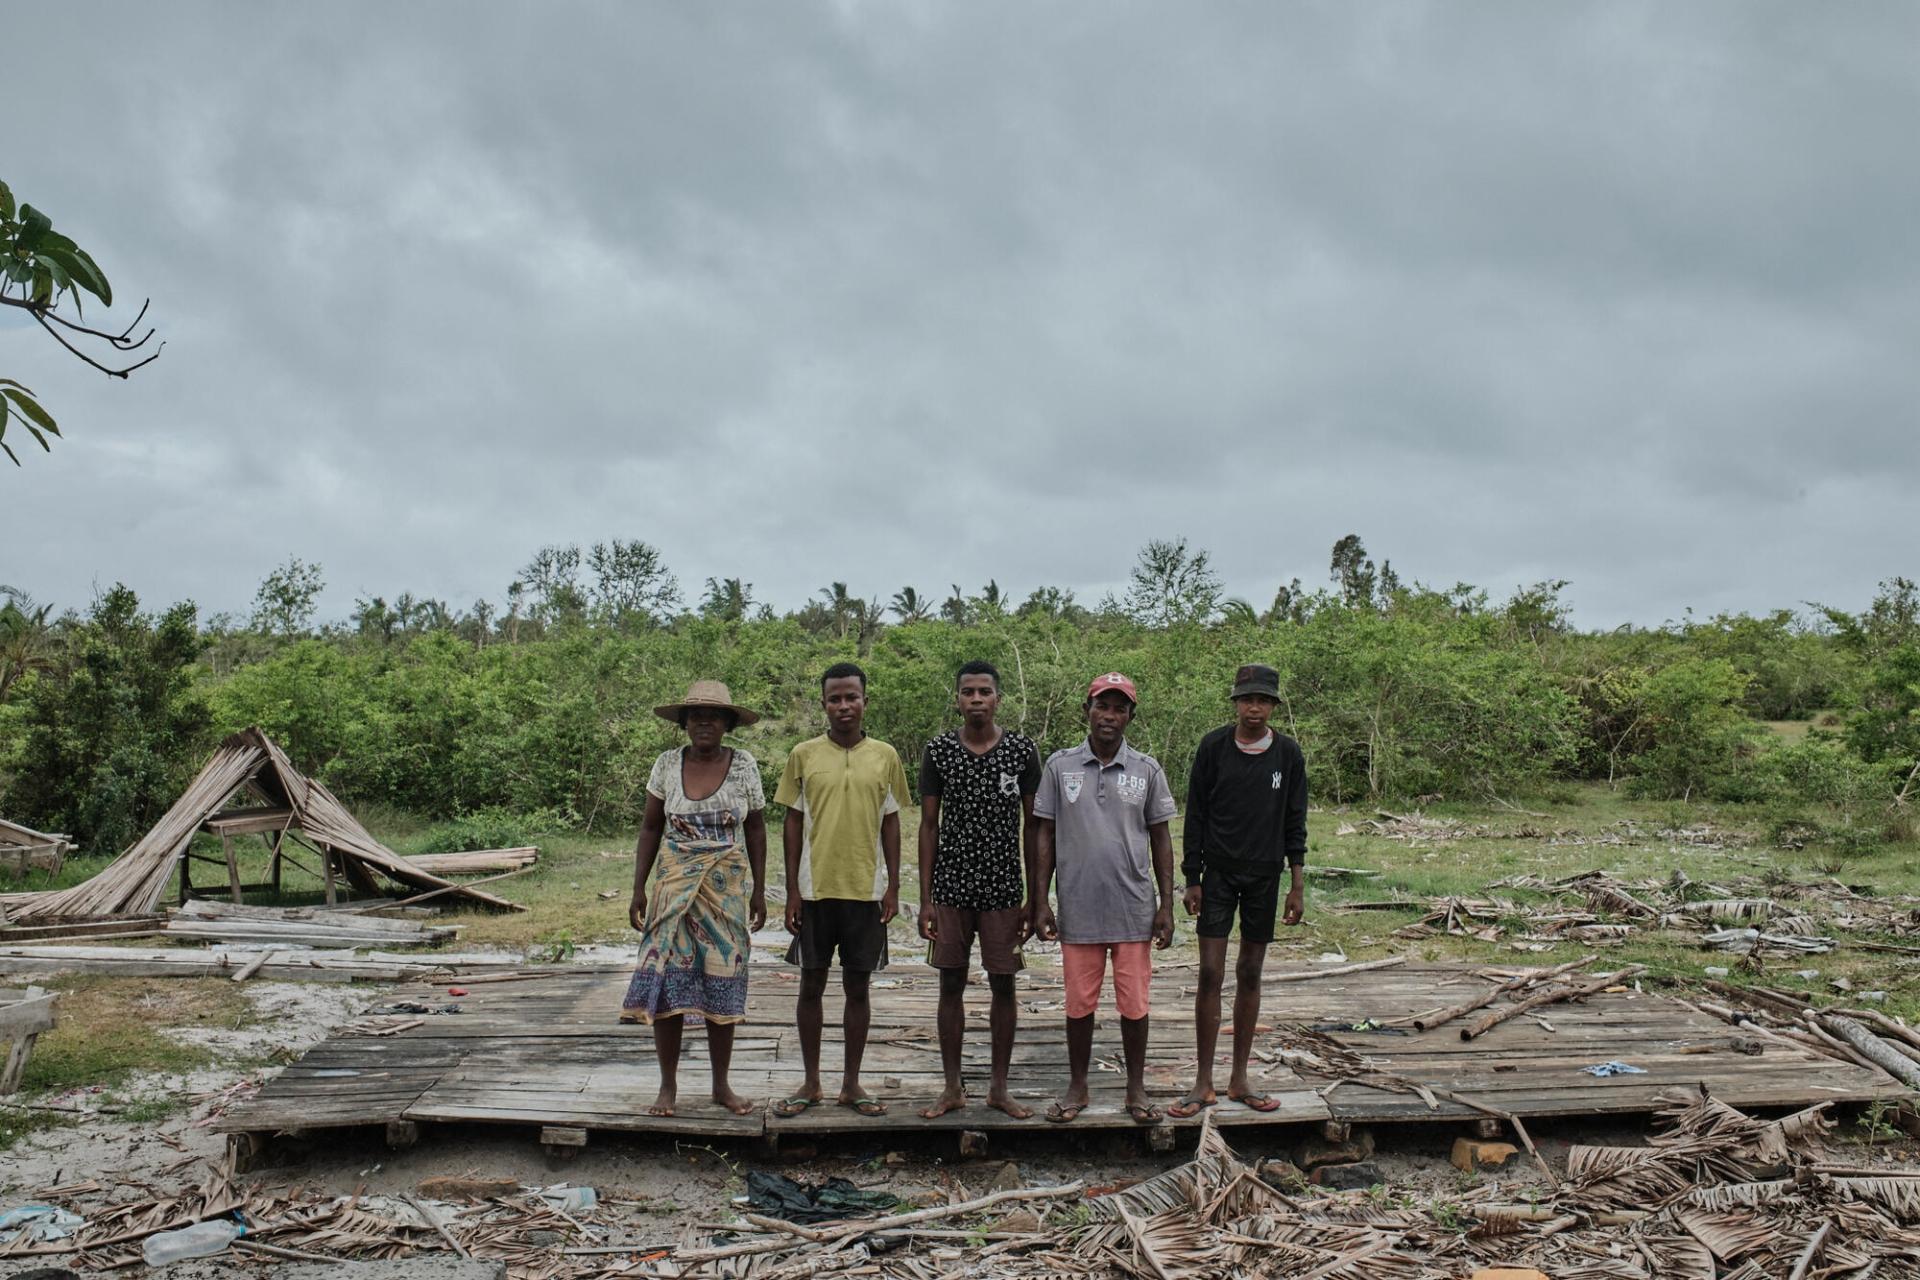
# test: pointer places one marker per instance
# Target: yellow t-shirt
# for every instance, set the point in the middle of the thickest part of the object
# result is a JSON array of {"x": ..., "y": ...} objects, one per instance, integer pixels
[{"x": 843, "y": 794}]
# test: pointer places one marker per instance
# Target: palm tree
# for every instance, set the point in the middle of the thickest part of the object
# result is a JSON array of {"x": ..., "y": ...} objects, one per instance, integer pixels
[
  {"x": 842, "y": 604},
  {"x": 727, "y": 599},
  {"x": 1236, "y": 612},
  {"x": 24, "y": 638},
  {"x": 955, "y": 609},
  {"x": 871, "y": 616},
  {"x": 910, "y": 606}
]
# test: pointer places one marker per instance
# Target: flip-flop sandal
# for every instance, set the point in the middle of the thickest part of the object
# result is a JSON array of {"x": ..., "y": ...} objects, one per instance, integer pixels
[
  {"x": 1065, "y": 1113},
  {"x": 1188, "y": 1108},
  {"x": 868, "y": 1107},
  {"x": 1260, "y": 1102},
  {"x": 1148, "y": 1114},
  {"x": 787, "y": 1108}
]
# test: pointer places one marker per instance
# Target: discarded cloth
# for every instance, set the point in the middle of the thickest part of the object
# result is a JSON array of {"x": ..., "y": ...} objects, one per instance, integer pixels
[
  {"x": 38, "y": 1222},
  {"x": 1615, "y": 1068},
  {"x": 781, "y": 1197}
]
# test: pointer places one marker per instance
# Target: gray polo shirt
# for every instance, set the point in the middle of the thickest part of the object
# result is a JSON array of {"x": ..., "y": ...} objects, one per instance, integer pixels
[{"x": 1102, "y": 860}]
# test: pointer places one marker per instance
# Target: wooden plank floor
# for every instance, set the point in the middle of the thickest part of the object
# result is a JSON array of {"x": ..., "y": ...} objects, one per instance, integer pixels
[{"x": 548, "y": 1050}]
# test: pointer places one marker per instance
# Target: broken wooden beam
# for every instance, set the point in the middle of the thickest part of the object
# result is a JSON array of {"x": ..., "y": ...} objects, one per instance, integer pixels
[{"x": 1553, "y": 995}]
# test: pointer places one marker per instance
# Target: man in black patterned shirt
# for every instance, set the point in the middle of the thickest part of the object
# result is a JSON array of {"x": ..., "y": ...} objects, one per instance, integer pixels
[{"x": 976, "y": 817}]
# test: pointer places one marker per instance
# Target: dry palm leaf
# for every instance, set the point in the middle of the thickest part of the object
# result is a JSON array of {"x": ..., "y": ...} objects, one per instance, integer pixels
[
  {"x": 1731, "y": 909},
  {"x": 1899, "y": 1197},
  {"x": 1729, "y": 1235},
  {"x": 1602, "y": 896}
]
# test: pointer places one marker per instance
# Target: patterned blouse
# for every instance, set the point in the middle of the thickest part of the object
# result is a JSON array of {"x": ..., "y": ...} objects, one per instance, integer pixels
[{"x": 720, "y": 816}]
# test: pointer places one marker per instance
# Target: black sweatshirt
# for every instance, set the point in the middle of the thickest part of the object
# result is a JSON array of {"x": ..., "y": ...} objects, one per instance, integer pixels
[{"x": 1245, "y": 813}]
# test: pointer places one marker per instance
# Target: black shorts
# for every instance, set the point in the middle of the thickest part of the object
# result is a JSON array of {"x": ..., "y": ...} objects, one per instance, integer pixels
[
  {"x": 1255, "y": 897},
  {"x": 840, "y": 924}
]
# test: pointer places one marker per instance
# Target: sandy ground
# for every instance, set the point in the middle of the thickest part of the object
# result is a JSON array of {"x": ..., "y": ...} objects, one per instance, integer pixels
[{"x": 655, "y": 1188}]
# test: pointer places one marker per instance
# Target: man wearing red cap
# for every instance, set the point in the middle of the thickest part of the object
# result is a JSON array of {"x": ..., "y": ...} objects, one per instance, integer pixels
[{"x": 1101, "y": 820}]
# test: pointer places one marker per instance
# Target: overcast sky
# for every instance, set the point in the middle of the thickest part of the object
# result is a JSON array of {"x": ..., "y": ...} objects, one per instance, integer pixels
[{"x": 895, "y": 293}]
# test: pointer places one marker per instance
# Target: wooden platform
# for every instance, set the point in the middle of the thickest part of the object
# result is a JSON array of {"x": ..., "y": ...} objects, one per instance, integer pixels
[{"x": 546, "y": 1050}]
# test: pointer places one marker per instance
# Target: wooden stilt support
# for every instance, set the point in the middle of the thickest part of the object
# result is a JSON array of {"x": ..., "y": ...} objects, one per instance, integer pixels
[
  {"x": 233, "y": 868},
  {"x": 562, "y": 1143},
  {"x": 245, "y": 1151}
]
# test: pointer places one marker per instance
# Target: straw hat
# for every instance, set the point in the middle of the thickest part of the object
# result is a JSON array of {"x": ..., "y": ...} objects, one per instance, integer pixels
[{"x": 710, "y": 694}]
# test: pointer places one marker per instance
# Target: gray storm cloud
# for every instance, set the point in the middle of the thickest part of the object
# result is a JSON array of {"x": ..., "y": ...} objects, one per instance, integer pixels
[{"x": 940, "y": 292}]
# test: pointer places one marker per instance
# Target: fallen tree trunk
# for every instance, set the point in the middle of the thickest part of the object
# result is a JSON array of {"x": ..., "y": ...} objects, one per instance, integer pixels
[{"x": 1873, "y": 1048}]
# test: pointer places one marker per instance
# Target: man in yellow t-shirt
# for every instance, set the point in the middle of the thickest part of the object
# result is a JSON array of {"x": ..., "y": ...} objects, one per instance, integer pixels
[{"x": 843, "y": 792}]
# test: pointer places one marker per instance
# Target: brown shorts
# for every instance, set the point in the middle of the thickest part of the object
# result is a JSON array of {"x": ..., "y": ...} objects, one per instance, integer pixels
[{"x": 999, "y": 938}]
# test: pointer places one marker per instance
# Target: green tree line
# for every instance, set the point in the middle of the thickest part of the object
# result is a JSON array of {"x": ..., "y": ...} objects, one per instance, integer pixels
[{"x": 1396, "y": 691}]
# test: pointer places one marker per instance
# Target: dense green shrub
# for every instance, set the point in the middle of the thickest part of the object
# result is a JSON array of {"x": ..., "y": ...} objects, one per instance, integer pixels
[
  {"x": 492, "y": 828},
  {"x": 115, "y": 729},
  {"x": 1815, "y": 791},
  {"x": 1394, "y": 692},
  {"x": 1695, "y": 735}
]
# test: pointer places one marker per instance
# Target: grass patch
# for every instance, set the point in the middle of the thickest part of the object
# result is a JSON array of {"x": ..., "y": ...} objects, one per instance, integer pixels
[{"x": 110, "y": 1028}]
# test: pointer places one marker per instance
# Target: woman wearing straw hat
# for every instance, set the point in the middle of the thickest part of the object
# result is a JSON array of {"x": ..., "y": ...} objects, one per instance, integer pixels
[{"x": 703, "y": 834}]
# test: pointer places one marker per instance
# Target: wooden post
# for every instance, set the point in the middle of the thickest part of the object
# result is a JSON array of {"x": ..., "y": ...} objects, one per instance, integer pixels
[
  {"x": 32, "y": 1015},
  {"x": 186, "y": 877},
  {"x": 326, "y": 869},
  {"x": 273, "y": 868},
  {"x": 244, "y": 1150},
  {"x": 233, "y": 868}
]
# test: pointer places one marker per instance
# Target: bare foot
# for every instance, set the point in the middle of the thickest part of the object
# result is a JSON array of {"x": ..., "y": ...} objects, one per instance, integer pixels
[
  {"x": 663, "y": 1105},
  {"x": 732, "y": 1101},
  {"x": 1003, "y": 1102},
  {"x": 952, "y": 1099}
]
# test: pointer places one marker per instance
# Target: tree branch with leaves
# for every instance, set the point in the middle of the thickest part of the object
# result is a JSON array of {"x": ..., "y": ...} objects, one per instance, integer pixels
[{"x": 40, "y": 270}]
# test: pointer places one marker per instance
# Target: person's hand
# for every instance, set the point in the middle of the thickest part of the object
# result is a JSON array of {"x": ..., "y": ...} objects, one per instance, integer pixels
[
  {"x": 1163, "y": 928},
  {"x": 1192, "y": 900},
  {"x": 1045, "y": 927},
  {"x": 793, "y": 914},
  {"x": 889, "y": 905},
  {"x": 1023, "y": 928},
  {"x": 1296, "y": 905},
  {"x": 637, "y": 910},
  {"x": 757, "y": 913},
  {"x": 928, "y": 929}
]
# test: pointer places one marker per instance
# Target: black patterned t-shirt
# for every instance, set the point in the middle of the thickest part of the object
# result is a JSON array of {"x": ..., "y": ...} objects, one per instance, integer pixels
[{"x": 977, "y": 865}]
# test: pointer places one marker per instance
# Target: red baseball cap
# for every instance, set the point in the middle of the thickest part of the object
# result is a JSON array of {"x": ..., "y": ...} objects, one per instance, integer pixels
[{"x": 1115, "y": 681}]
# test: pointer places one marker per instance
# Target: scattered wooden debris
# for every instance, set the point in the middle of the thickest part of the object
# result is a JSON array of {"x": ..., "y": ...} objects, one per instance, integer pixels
[
  {"x": 476, "y": 862},
  {"x": 204, "y": 920},
  {"x": 246, "y": 762},
  {"x": 216, "y": 962},
  {"x": 24, "y": 1014},
  {"x": 22, "y": 849}
]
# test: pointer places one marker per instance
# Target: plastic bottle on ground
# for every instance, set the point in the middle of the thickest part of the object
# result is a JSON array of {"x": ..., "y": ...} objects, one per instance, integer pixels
[{"x": 197, "y": 1241}]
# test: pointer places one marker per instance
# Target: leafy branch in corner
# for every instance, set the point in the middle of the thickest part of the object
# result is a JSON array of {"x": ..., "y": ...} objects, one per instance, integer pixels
[{"x": 40, "y": 269}]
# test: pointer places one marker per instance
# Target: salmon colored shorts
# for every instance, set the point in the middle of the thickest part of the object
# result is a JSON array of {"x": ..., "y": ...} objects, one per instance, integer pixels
[{"x": 1084, "y": 966}]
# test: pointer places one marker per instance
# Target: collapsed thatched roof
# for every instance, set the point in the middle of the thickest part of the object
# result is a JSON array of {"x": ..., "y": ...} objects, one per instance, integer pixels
[{"x": 135, "y": 882}]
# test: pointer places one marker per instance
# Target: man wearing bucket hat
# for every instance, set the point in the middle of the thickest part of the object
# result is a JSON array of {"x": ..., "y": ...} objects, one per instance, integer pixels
[
  {"x": 1102, "y": 812},
  {"x": 1246, "y": 825}
]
